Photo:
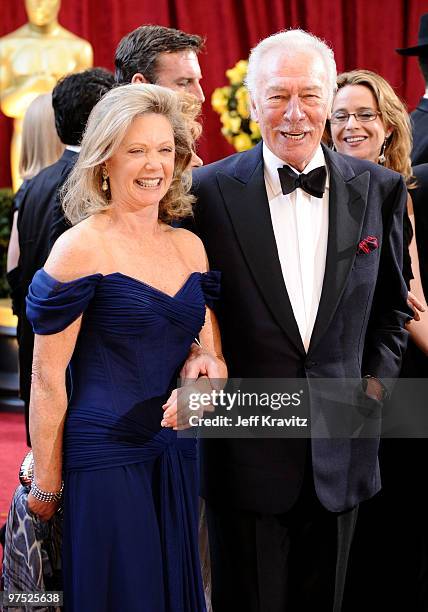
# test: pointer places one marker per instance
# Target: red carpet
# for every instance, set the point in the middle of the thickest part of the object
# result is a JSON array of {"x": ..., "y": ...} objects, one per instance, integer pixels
[{"x": 12, "y": 451}]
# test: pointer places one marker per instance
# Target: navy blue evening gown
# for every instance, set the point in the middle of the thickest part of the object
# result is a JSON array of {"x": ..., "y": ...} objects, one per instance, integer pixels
[{"x": 131, "y": 487}]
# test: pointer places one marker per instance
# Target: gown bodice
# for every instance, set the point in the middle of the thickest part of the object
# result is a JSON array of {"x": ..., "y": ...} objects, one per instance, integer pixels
[{"x": 132, "y": 342}]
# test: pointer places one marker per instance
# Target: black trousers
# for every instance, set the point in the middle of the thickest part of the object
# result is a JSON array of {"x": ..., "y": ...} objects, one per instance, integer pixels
[{"x": 291, "y": 562}]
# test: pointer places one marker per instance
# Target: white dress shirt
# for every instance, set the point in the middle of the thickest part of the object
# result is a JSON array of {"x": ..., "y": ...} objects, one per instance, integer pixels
[{"x": 300, "y": 225}]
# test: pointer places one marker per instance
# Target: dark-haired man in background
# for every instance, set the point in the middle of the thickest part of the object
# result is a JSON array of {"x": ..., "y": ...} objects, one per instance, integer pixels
[
  {"x": 162, "y": 56},
  {"x": 73, "y": 99},
  {"x": 40, "y": 217}
]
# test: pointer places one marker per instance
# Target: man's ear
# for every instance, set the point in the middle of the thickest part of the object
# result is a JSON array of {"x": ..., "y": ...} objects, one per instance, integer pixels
[
  {"x": 138, "y": 78},
  {"x": 254, "y": 113}
]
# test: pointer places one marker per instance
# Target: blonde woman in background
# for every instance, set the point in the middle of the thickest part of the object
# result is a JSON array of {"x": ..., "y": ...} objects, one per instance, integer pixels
[
  {"x": 389, "y": 562},
  {"x": 41, "y": 147}
]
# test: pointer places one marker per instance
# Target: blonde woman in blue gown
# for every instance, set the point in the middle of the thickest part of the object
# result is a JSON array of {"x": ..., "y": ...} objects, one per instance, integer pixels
[{"x": 120, "y": 300}]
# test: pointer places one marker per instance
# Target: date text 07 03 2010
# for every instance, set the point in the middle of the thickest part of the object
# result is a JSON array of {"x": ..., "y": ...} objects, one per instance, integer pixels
[{"x": 16, "y": 599}]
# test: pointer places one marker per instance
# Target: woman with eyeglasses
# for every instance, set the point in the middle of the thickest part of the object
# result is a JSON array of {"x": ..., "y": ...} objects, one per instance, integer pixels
[
  {"x": 389, "y": 564},
  {"x": 369, "y": 121}
]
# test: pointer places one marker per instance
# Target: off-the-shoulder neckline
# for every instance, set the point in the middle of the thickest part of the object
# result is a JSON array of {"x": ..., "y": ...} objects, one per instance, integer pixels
[{"x": 99, "y": 276}]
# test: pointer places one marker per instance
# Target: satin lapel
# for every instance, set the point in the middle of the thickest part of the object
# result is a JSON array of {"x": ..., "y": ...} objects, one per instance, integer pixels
[
  {"x": 248, "y": 207},
  {"x": 347, "y": 205}
]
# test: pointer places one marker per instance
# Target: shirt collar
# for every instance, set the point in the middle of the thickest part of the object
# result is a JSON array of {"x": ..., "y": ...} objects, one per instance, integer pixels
[
  {"x": 272, "y": 163},
  {"x": 74, "y": 148}
]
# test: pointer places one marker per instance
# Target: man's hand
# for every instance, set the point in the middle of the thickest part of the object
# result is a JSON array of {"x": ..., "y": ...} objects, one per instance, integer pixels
[
  {"x": 374, "y": 389},
  {"x": 200, "y": 363}
]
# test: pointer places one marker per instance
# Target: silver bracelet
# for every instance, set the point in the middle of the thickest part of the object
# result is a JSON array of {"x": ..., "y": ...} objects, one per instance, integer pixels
[{"x": 45, "y": 496}]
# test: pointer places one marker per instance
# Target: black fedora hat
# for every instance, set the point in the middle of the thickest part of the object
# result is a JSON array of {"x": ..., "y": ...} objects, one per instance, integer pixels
[{"x": 422, "y": 47}]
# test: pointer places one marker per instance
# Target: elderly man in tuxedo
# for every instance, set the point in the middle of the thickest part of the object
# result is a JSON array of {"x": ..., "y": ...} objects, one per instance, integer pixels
[{"x": 309, "y": 244}]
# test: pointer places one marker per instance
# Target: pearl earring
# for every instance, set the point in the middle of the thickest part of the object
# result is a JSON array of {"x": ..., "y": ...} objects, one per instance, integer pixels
[
  {"x": 104, "y": 185},
  {"x": 382, "y": 156}
]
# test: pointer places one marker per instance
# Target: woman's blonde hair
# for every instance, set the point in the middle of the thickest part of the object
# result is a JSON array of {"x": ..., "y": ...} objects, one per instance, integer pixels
[
  {"x": 191, "y": 108},
  {"x": 105, "y": 130},
  {"x": 393, "y": 114},
  {"x": 41, "y": 146}
]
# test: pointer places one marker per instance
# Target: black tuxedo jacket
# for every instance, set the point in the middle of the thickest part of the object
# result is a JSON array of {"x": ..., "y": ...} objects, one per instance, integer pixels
[
  {"x": 419, "y": 119},
  {"x": 36, "y": 213},
  {"x": 358, "y": 329}
]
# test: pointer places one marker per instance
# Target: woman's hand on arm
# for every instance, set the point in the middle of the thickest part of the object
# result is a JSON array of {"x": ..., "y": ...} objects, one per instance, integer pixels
[
  {"x": 200, "y": 362},
  {"x": 416, "y": 305}
]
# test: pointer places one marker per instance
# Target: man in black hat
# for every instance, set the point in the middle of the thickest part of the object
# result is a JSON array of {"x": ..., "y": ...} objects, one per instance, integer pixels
[{"x": 420, "y": 115}]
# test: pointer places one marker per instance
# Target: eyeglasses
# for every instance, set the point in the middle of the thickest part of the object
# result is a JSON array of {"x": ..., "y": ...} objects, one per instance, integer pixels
[{"x": 363, "y": 116}]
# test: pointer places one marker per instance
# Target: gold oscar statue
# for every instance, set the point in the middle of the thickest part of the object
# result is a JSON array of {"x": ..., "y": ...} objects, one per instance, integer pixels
[{"x": 32, "y": 59}]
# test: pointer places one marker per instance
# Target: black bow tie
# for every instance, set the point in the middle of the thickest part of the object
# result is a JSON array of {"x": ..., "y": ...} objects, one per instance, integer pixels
[{"x": 313, "y": 182}]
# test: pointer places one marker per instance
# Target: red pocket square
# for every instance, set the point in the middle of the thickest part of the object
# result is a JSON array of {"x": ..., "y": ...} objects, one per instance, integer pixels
[{"x": 367, "y": 245}]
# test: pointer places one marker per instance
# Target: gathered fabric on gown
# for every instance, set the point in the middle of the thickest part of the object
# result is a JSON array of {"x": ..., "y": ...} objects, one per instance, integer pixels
[{"x": 131, "y": 486}]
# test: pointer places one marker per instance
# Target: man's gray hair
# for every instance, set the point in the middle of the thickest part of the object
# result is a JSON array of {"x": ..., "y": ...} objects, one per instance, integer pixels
[{"x": 291, "y": 41}]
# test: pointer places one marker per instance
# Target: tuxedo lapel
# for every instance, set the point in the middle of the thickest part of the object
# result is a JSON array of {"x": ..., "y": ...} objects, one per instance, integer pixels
[
  {"x": 246, "y": 201},
  {"x": 347, "y": 205}
]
